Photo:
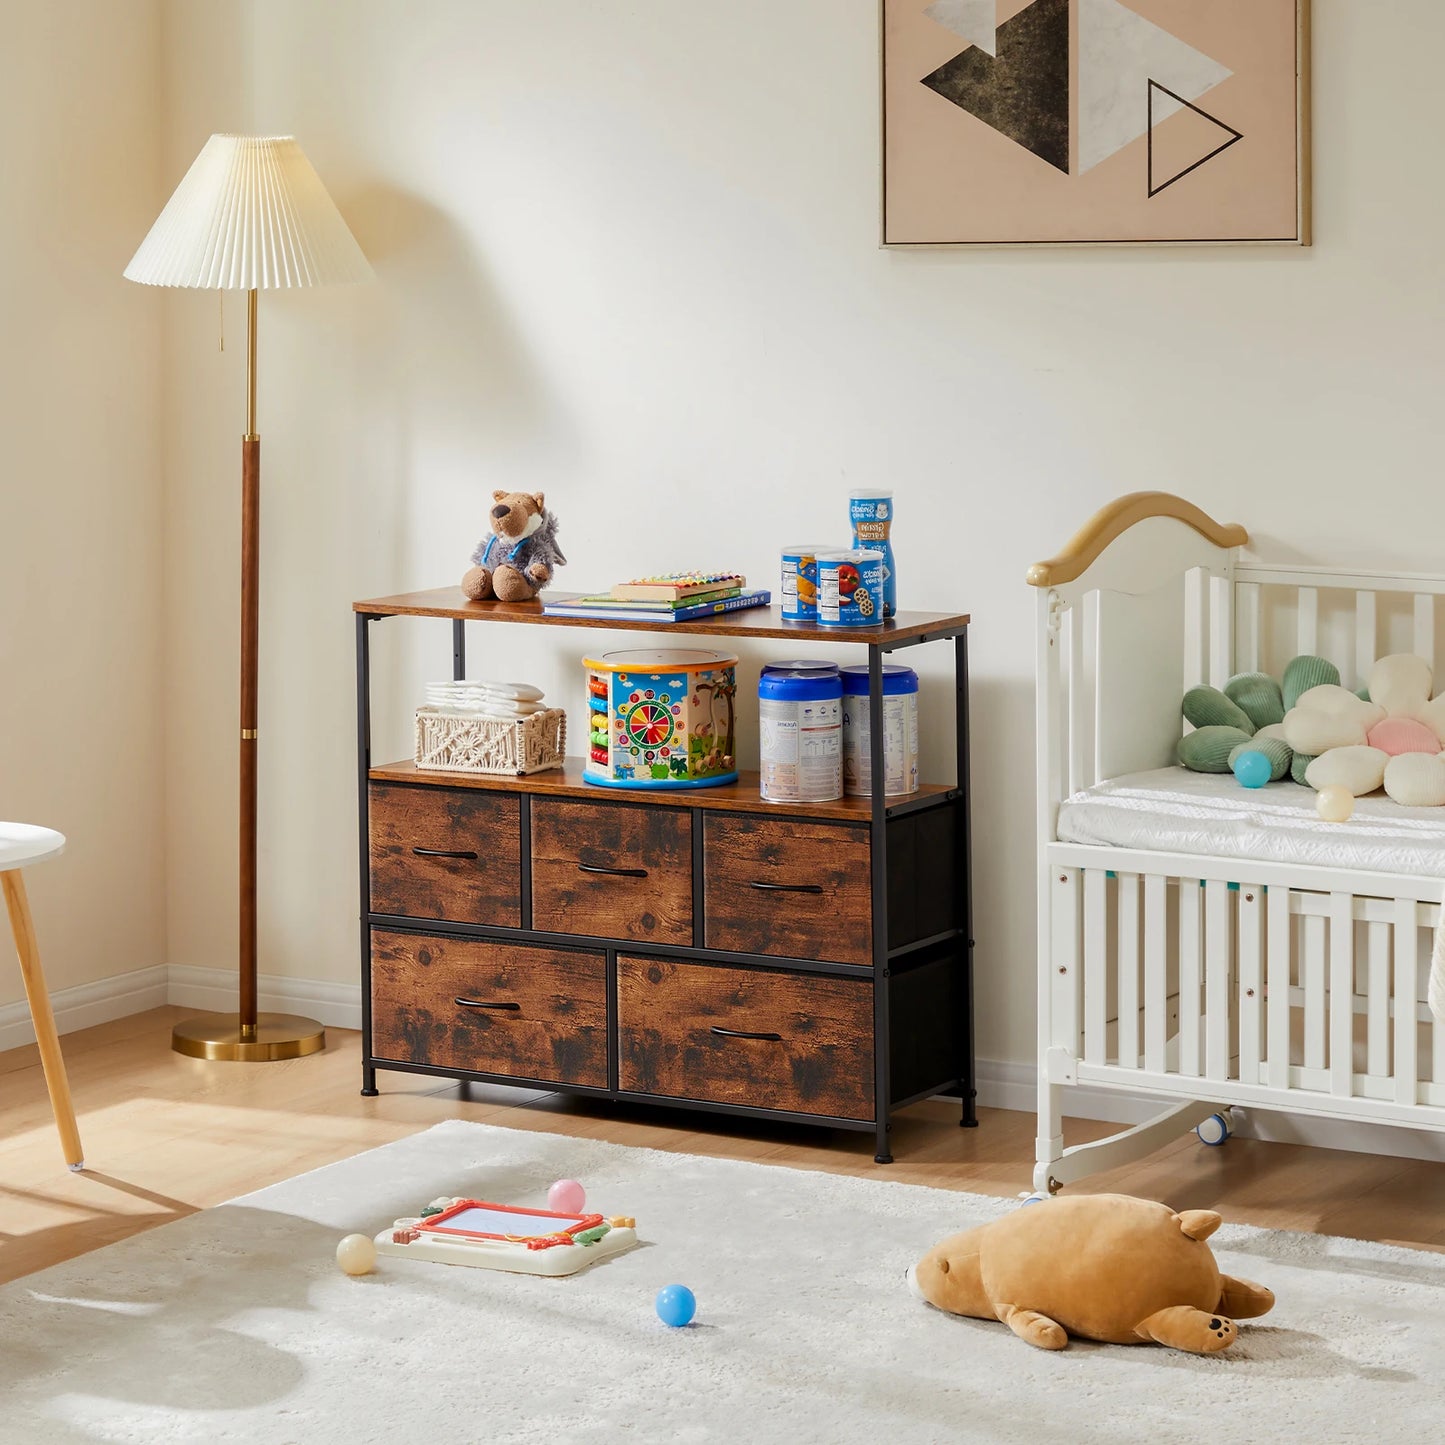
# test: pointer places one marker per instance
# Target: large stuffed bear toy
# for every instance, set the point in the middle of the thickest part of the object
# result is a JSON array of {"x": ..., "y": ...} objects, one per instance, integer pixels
[
  {"x": 515, "y": 562},
  {"x": 1101, "y": 1266}
]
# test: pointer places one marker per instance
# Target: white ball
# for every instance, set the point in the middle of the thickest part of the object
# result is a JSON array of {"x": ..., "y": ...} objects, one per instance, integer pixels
[
  {"x": 356, "y": 1254},
  {"x": 1335, "y": 804}
]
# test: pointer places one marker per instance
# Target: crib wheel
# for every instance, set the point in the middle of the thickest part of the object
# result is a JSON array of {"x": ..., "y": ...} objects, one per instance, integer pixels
[
  {"x": 1214, "y": 1130},
  {"x": 1031, "y": 1199}
]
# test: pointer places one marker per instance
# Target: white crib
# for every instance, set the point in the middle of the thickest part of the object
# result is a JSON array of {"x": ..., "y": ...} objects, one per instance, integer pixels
[{"x": 1207, "y": 981}]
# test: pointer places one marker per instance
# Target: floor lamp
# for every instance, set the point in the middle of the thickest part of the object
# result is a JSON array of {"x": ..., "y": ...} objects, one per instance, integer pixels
[{"x": 250, "y": 214}]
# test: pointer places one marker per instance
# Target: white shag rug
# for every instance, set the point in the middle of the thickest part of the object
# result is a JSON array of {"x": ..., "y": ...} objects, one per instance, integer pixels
[{"x": 235, "y": 1324}]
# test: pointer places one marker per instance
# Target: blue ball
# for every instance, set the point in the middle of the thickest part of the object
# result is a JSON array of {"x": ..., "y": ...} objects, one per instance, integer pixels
[
  {"x": 676, "y": 1305},
  {"x": 1253, "y": 770}
]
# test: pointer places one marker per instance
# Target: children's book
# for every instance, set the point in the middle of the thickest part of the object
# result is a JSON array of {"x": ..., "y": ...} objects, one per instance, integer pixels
[
  {"x": 673, "y": 586},
  {"x": 684, "y": 612}
]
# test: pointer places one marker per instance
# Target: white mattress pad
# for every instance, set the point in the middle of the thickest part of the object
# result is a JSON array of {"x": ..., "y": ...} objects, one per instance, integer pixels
[{"x": 1172, "y": 810}]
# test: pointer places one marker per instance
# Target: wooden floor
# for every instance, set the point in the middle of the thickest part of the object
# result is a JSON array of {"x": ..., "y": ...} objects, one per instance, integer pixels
[{"x": 165, "y": 1136}]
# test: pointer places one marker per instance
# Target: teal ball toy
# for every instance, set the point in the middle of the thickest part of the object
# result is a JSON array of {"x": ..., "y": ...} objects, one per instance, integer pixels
[
  {"x": 676, "y": 1305},
  {"x": 1253, "y": 770}
]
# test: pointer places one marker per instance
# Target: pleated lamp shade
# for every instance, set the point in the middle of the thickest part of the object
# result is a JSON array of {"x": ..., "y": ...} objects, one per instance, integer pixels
[{"x": 250, "y": 214}]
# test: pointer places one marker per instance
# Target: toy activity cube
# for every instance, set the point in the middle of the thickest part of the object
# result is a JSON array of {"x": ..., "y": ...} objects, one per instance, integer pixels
[{"x": 661, "y": 718}]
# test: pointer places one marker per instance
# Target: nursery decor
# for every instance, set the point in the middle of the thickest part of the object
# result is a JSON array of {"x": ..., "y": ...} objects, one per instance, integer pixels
[
  {"x": 250, "y": 214},
  {"x": 1015, "y": 122},
  {"x": 516, "y": 560},
  {"x": 805, "y": 1329},
  {"x": 1102, "y": 1266}
]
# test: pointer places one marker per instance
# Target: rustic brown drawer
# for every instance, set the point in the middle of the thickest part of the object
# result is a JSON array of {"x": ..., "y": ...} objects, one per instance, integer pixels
[
  {"x": 787, "y": 887},
  {"x": 612, "y": 871},
  {"x": 493, "y": 1008},
  {"x": 453, "y": 853},
  {"x": 769, "y": 1040}
]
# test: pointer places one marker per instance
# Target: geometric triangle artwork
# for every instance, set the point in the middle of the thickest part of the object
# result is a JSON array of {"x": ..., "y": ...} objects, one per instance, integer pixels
[
  {"x": 1119, "y": 50},
  {"x": 1022, "y": 92},
  {"x": 975, "y": 21},
  {"x": 1184, "y": 147}
]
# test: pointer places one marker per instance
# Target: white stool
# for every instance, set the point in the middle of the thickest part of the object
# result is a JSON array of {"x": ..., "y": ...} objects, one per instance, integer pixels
[{"x": 20, "y": 845}]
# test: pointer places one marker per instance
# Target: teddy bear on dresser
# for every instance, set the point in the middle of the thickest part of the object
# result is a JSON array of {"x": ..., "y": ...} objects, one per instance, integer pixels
[{"x": 516, "y": 561}]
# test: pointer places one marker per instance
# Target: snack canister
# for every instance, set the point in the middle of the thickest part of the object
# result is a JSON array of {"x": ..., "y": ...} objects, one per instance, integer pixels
[
  {"x": 800, "y": 583},
  {"x": 900, "y": 731},
  {"x": 850, "y": 588},
  {"x": 800, "y": 732}
]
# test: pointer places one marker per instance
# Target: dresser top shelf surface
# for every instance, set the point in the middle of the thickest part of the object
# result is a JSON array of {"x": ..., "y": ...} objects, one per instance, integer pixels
[
  {"x": 739, "y": 797},
  {"x": 749, "y": 622}
]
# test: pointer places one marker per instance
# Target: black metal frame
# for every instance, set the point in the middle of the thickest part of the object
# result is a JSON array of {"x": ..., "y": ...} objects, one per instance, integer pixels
[{"x": 880, "y": 970}]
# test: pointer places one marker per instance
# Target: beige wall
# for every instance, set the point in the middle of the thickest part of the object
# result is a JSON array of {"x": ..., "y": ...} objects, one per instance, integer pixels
[
  {"x": 627, "y": 255},
  {"x": 81, "y": 719}
]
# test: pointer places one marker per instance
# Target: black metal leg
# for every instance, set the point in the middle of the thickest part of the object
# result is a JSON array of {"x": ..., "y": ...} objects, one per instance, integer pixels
[
  {"x": 966, "y": 1083},
  {"x": 459, "y": 649},
  {"x": 363, "y": 771},
  {"x": 878, "y": 827}
]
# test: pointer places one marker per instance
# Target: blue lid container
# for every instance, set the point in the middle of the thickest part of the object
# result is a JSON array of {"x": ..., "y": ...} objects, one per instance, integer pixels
[
  {"x": 801, "y": 681},
  {"x": 896, "y": 680}
]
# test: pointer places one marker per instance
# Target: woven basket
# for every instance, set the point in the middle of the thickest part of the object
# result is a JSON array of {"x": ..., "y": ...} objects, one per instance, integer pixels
[{"x": 450, "y": 742}]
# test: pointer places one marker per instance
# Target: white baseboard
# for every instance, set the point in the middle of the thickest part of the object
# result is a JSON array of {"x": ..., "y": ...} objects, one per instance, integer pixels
[
  {"x": 1001, "y": 1084},
  {"x": 88, "y": 1004},
  {"x": 337, "y": 1005}
]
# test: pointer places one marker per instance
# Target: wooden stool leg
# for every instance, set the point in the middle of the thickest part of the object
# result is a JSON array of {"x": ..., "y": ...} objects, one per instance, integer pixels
[{"x": 23, "y": 927}]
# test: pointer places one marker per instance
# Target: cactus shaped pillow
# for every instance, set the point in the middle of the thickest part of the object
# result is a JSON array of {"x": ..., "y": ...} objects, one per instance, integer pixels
[{"x": 1390, "y": 734}]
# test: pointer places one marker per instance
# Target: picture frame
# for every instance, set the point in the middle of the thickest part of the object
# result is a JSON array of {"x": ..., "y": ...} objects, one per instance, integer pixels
[{"x": 1094, "y": 123}]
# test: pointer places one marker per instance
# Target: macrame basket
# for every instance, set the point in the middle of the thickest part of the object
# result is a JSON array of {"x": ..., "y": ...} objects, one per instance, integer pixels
[{"x": 450, "y": 742}]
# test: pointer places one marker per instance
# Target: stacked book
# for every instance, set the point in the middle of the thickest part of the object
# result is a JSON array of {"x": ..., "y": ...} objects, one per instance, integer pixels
[{"x": 672, "y": 597}]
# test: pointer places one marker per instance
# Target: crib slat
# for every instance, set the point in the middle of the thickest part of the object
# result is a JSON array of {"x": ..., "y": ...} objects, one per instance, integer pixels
[
  {"x": 1189, "y": 925},
  {"x": 1425, "y": 626},
  {"x": 1064, "y": 990},
  {"x": 1312, "y": 971},
  {"x": 1196, "y": 629},
  {"x": 1251, "y": 983},
  {"x": 1309, "y": 620},
  {"x": 1377, "y": 995},
  {"x": 1218, "y": 966},
  {"x": 1128, "y": 932},
  {"x": 1074, "y": 651},
  {"x": 1156, "y": 972},
  {"x": 1247, "y": 648},
  {"x": 1096, "y": 963},
  {"x": 1365, "y": 628},
  {"x": 1221, "y": 630},
  {"x": 1278, "y": 966},
  {"x": 1407, "y": 962},
  {"x": 1342, "y": 994}
]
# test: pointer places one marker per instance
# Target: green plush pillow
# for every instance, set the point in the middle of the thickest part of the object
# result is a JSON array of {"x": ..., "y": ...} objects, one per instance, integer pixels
[
  {"x": 1258, "y": 695},
  {"x": 1298, "y": 766},
  {"x": 1208, "y": 749},
  {"x": 1304, "y": 673},
  {"x": 1279, "y": 753},
  {"x": 1207, "y": 707}
]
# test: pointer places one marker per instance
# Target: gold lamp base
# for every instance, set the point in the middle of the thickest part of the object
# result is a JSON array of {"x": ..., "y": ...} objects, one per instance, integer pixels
[{"x": 276, "y": 1036}]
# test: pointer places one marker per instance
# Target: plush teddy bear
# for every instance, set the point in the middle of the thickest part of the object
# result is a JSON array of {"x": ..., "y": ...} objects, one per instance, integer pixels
[
  {"x": 1101, "y": 1266},
  {"x": 516, "y": 561}
]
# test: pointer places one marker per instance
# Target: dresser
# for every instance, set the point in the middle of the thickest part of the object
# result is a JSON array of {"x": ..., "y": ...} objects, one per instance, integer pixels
[{"x": 700, "y": 948}]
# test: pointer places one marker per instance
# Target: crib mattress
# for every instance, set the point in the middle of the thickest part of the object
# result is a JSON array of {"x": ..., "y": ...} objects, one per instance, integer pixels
[{"x": 1172, "y": 810}]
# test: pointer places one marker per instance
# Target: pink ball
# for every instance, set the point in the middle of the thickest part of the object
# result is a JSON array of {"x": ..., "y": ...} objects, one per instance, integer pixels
[
  {"x": 566, "y": 1196},
  {"x": 1400, "y": 735}
]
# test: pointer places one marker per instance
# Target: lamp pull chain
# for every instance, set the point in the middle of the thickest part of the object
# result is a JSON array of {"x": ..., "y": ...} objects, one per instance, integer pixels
[{"x": 221, "y": 297}]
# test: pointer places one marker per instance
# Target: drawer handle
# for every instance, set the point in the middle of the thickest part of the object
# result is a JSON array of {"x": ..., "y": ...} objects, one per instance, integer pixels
[
  {"x": 786, "y": 887},
  {"x": 444, "y": 853},
  {"x": 481, "y": 1003},
  {"x": 612, "y": 872},
  {"x": 744, "y": 1034}
]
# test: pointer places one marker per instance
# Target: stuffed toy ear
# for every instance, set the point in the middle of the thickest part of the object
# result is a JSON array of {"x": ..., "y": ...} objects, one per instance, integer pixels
[
  {"x": 539, "y": 498},
  {"x": 497, "y": 496},
  {"x": 1199, "y": 1223}
]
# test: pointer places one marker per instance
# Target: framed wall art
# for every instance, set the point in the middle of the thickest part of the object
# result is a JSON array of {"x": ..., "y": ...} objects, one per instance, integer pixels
[{"x": 1067, "y": 122}]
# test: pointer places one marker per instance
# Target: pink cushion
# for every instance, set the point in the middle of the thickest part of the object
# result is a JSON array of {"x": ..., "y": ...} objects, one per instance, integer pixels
[{"x": 1400, "y": 735}]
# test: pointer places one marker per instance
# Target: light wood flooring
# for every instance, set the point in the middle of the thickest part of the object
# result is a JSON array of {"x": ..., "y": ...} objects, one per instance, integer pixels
[{"x": 165, "y": 1136}]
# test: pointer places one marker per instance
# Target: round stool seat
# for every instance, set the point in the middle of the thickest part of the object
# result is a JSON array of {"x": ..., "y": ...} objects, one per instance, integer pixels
[{"x": 22, "y": 844}]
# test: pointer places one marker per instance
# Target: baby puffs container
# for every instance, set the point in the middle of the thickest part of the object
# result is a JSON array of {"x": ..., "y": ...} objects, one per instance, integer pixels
[{"x": 661, "y": 718}]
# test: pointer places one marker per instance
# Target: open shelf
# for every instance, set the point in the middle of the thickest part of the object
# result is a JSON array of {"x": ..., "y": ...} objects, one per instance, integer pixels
[
  {"x": 905, "y": 628},
  {"x": 739, "y": 797}
]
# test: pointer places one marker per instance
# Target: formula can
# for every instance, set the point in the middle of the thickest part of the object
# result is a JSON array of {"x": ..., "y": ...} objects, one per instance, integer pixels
[
  {"x": 800, "y": 732},
  {"x": 900, "y": 731},
  {"x": 800, "y": 583},
  {"x": 850, "y": 589},
  {"x": 870, "y": 510}
]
